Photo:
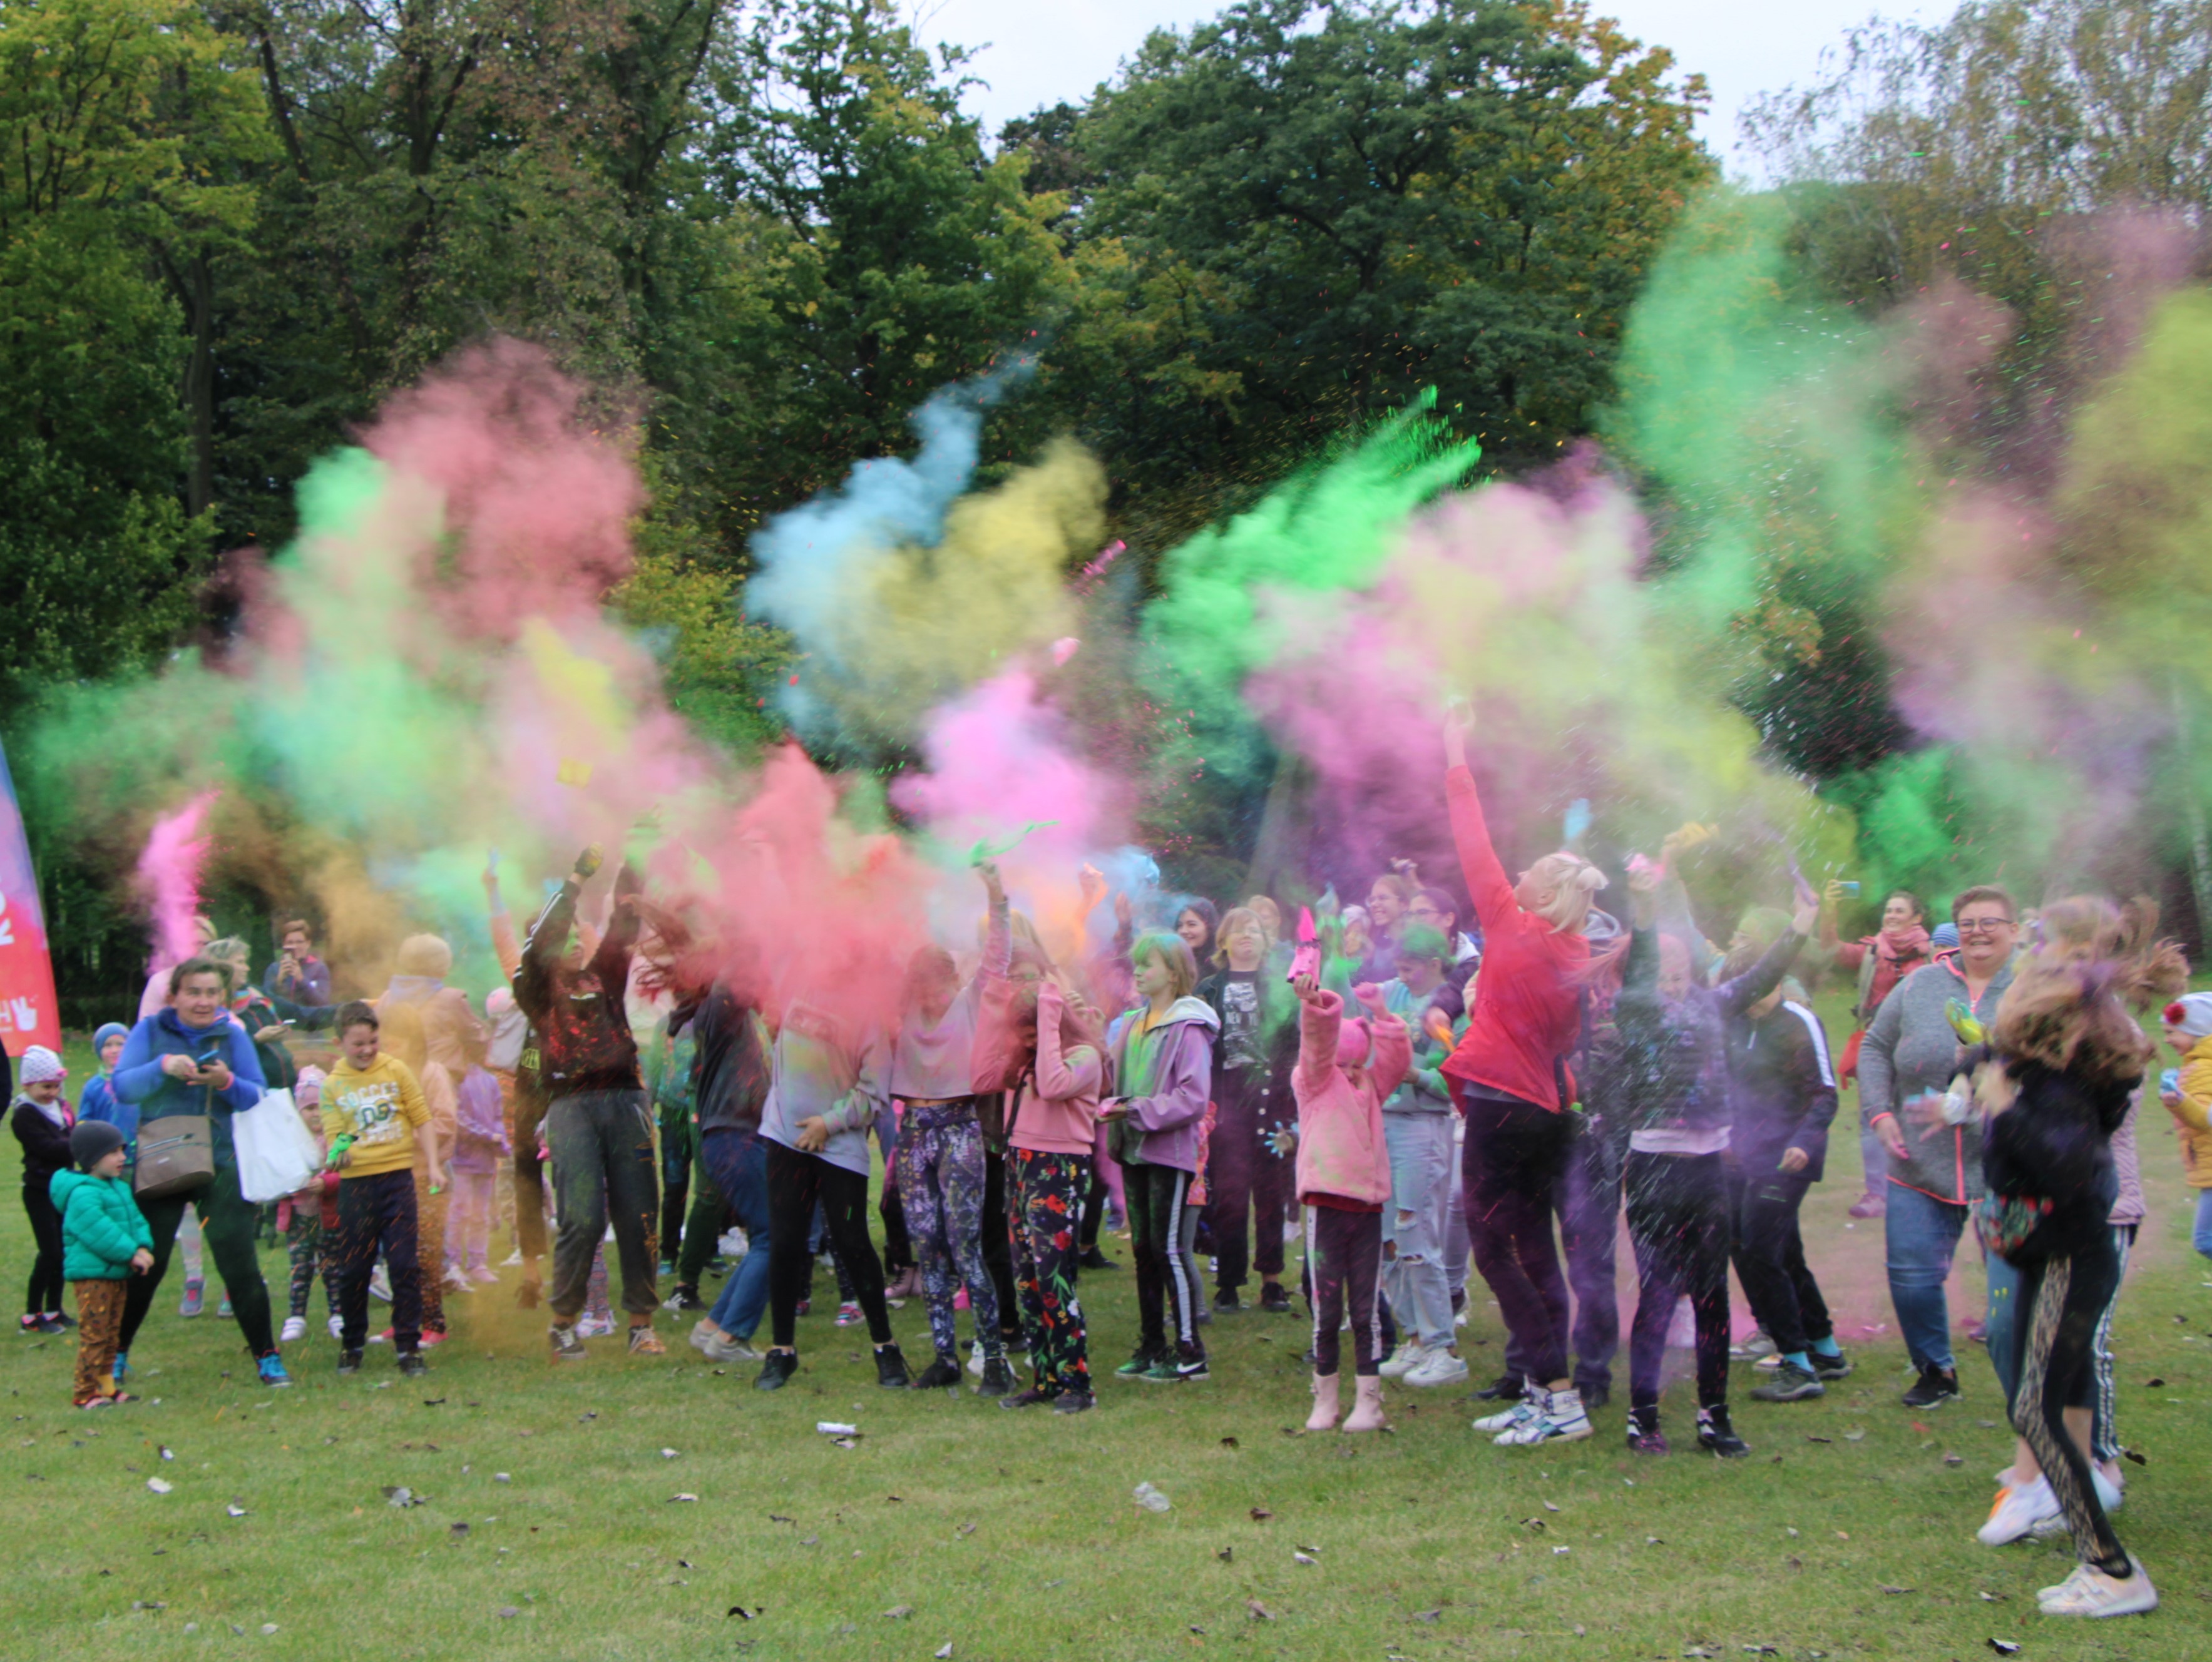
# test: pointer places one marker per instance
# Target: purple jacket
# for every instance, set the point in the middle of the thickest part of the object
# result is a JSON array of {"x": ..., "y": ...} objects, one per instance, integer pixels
[{"x": 1183, "y": 1083}]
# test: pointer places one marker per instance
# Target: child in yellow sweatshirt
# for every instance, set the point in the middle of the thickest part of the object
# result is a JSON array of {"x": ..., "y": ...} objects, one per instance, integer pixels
[
  {"x": 2186, "y": 1092},
  {"x": 373, "y": 1107}
]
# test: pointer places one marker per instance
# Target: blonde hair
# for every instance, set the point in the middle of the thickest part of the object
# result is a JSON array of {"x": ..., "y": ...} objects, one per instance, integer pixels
[
  {"x": 1175, "y": 951},
  {"x": 1232, "y": 920},
  {"x": 1572, "y": 880},
  {"x": 2067, "y": 1007}
]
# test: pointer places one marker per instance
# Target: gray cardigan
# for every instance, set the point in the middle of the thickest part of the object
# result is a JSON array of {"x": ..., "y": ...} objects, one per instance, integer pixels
[{"x": 1910, "y": 1050}]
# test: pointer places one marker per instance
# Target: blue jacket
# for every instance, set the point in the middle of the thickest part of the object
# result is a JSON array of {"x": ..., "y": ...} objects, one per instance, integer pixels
[
  {"x": 139, "y": 1079},
  {"x": 100, "y": 1103}
]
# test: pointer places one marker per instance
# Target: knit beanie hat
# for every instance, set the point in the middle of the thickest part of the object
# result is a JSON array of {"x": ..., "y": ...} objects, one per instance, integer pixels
[
  {"x": 39, "y": 1065},
  {"x": 2192, "y": 1015},
  {"x": 92, "y": 1141},
  {"x": 307, "y": 1091},
  {"x": 108, "y": 1030},
  {"x": 1944, "y": 937}
]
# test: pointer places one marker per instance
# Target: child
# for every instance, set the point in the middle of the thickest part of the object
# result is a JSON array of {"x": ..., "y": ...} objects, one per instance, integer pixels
[
  {"x": 1344, "y": 1070},
  {"x": 479, "y": 1146},
  {"x": 105, "y": 1238},
  {"x": 371, "y": 1109},
  {"x": 2188, "y": 1098},
  {"x": 41, "y": 1120},
  {"x": 1674, "y": 1080},
  {"x": 99, "y": 1100},
  {"x": 309, "y": 1221}
]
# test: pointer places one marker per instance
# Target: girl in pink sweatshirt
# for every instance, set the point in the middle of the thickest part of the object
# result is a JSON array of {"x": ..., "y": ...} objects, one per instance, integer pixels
[
  {"x": 1346, "y": 1069},
  {"x": 1049, "y": 1135}
]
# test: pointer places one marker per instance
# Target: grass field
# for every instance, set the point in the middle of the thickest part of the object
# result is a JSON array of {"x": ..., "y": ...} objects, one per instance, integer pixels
[{"x": 555, "y": 1522}]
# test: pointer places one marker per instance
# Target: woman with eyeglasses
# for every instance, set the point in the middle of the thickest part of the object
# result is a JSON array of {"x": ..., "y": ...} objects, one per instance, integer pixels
[{"x": 1935, "y": 1172}]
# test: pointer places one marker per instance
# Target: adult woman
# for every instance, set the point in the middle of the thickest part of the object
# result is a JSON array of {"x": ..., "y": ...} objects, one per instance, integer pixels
[
  {"x": 191, "y": 1059},
  {"x": 1881, "y": 961},
  {"x": 1198, "y": 922},
  {"x": 2064, "y": 1060},
  {"x": 1162, "y": 1052},
  {"x": 1246, "y": 1179},
  {"x": 1509, "y": 1080},
  {"x": 1934, "y": 1175},
  {"x": 1388, "y": 898}
]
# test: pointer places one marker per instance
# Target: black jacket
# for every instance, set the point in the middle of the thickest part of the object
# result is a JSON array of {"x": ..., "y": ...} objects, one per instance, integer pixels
[
  {"x": 580, "y": 1017},
  {"x": 45, "y": 1146},
  {"x": 1782, "y": 1089},
  {"x": 2047, "y": 1163},
  {"x": 728, "y": 1065}
]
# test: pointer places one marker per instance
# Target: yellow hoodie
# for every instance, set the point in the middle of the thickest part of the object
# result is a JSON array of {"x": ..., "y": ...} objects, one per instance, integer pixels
[
  {"x": 2192, "y": 1115},
  {"x": 379, "y": 1106}
]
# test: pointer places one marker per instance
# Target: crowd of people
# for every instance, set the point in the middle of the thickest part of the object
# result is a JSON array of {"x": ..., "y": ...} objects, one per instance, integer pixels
[{"x": 1407, "y": 1089}]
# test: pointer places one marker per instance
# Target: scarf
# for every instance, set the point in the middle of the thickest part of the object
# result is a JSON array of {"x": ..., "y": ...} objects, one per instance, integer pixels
[{"x": 57, "y": 1110}]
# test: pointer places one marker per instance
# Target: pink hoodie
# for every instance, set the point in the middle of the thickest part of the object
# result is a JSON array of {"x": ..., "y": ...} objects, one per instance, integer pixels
[
  {"x": 1057, "y": 1112},
  {"x": 1342, "y": 1154}
]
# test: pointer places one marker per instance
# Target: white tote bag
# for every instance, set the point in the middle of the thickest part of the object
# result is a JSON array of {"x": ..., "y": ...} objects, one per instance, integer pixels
[{"x": 277, "y": 1155}]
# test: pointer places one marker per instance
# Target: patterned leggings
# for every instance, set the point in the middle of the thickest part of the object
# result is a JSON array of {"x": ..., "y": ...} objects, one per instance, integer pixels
[
  {"x": 2063, "y": 1301},
  {"x": 310, "y": 1250},
  {"x": 1344, "y": 1261},
  {"x": 99, "y": 1328},
  {"x": 941, "y": 1179},
  {"x": 1045, "y": 1204}
]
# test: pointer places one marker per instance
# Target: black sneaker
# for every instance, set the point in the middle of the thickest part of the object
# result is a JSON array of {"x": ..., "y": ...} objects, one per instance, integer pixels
[
  {"x": 1644, "y": 1437},
  {"x": 1506, "y": 1387},
  {"x": 1934, "y": 1385},
  {"x": 1031, "y": 1398},
  {"x": 997, "y": 1378},
  {"x": 568, "y": 1346},
  {"x": 1226, "y": 1299},
  {"x": 1595, "y": 1395},
  {"x": 776, "y": 1369},
  {"x": 940, "y": 1375},
  {"x": 1273, "y": 1300},
  {"x": 891, "y": 1369},
  {"x": 411, "y": 1363},
  {"x": 1092, "y": 1259},
  {"x": 1716, "y": 1435},
  {"x": 61, "y": 1319},
  {"x": 1790, "y": 1383},
  {"x": 1838, "y": 1366},
  {"x": 685, "y": 1297},
  {"x": 1189, "y": 1367},
  {"x": 1137, "y": 1366},
  {"x": 53, "y": 1324},
  {"x": 349, "y": 1362},
  {"x": 1073, "y": 1402}
]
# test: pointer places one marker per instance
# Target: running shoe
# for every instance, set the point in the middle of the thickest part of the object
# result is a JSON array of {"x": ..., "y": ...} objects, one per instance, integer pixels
[
  {"x": 1435, "y": 1367},
  {"x": 2091, "y": 1592},
  {"x": 644, "y": 1341},
  {"x": 1402, "y": 1360},
  {"x": 568, "y": 1343},
  {"x": 2018, "y": 1508},
  {"x": 1935, "y": 1385},
  {"x": 776, "y": 1369},
  {"x": 295, "y": 1327},
  {"x": 1790, "y": 1384},
  {"x": 941, "y": 1374},
  {"x": 271, "y": 1367},
  {"x": 194, "y": 1299},
  {"x": 1559, "y": 1419},
  {"x": 1717, "y": 1436}
]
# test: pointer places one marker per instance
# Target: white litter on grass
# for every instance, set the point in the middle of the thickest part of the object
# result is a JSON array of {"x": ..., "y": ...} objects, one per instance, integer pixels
[
  {"x": 159, "y": 1485},
  {"x": 674, "y": 1498},
  {"x": 836, "y": 1428},
  {"x": 1151, "y": 1499},
  {"x": 667, "y": 1454}
]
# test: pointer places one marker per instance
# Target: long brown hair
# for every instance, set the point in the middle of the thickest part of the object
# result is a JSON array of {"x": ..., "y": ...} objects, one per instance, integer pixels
[{"x": 2069, "y": 1008}]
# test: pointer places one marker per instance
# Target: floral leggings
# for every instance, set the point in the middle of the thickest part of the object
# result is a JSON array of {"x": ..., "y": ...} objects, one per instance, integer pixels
[
  {"x": 1045, "y": 1208},
  {"x": 941, "y": 1182},
  {"x": 309, "y": 1246}
]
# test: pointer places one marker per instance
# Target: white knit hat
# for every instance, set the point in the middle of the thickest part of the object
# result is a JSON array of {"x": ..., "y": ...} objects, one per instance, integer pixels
[
  {"x": 40, "y": 1064},
  {"x": 2192, "y": 1014}
]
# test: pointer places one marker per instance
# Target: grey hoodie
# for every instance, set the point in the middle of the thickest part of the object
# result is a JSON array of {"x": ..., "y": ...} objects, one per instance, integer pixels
[{"x": 1910, "y": 1050}]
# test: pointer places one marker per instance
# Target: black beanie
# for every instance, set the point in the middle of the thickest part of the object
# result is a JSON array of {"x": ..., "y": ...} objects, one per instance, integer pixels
[{"x": 92, "y": 1141}]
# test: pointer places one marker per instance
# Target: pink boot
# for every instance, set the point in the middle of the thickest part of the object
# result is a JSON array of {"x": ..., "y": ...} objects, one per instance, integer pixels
[
  {"x": 1367, "y": 1410},
  {"x": 1323, "y": 1417}
]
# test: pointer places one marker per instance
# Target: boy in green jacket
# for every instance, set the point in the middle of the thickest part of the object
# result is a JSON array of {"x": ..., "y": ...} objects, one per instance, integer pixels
[{"x": 105, "y": 1241}]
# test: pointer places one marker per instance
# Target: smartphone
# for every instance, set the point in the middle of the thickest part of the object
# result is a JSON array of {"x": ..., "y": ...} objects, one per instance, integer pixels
[
  {"x": 1850, "y": 890},
  {"x": 2169, "y": 1083}
]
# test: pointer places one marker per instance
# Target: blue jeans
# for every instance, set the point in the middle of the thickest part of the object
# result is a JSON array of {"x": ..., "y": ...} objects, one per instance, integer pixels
[
  {"x": 738, "y": 1165},
  {"x": 1921, "y": 1234},
  {"x": 1420, "y": 1200},
  {"x": 2201, "y": 1237}
]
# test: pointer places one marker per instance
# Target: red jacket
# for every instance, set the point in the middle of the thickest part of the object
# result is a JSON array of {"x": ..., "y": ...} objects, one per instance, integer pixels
[{"x": 1528, "y": 1006}]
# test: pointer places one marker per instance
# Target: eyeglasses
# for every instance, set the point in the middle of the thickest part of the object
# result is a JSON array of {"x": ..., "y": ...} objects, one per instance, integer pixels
[{"x": 1983, "y": 926}]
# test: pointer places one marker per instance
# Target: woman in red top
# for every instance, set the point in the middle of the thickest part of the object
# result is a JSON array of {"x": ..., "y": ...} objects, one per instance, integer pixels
[{"x": 1509, "y": 1079}]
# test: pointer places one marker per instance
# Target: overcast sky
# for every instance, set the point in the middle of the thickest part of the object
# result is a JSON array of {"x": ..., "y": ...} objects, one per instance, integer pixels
[{"x": 1043, "y": 50}]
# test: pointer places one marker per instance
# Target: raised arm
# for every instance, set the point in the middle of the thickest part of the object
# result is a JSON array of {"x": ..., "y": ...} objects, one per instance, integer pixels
[{"x": 1061, "y": 1074}]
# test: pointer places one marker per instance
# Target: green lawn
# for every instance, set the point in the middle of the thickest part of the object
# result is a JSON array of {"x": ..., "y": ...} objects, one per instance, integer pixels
[{"x": 551, "y": 1525}]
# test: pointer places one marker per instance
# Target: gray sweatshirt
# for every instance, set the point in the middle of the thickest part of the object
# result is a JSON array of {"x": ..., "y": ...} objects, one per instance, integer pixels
[{"x": 1910, "y": 1050}]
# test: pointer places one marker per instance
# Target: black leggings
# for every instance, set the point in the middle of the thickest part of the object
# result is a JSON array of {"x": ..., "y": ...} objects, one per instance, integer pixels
[
  {"x": 45, "y": 1297},
  {"x": 1678, "y": 1222},
  {"x": 2062, "y": 1301},
  {"x": 796, "y": 1182},
  {"x": 1515, "y": 1154},
  {"x": 1769, "y": 1260},
  {"x": 1157, "y": 1197},
  {"x": 227, "y": 1222},
  {"x": 1246, "y": 1182},
  {"x": 998, "y": 1245},
  {"x": 1344, "y": 1255}
]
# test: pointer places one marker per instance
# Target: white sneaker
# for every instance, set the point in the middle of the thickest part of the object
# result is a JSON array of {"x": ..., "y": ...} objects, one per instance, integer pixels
[
  {"x": 594, "y": 1327},
  {"x": 512, "y": 1261},
  {"x": 2108, "y": 1496},
  {"x": 458, "y": 1282},
  {"x": 1560, "y": 1419},
  {"x": 2090, "y": 1592},
  {"x": 721, "y": 1348},
  {"x": 1436, "y": 1368},
  {"x": 2016, "y": 1511},
  {"x": 1755, "y": 1346},
  {"x": 1402, "y": 1360},
  {"x": 975, "y": 1358},
  {"x": 295, "y": 1327},
  {"x": 379, "y": 1284},
  {"x": 338, "y": 1328},
  {"x": 1521, "y": 1412}
]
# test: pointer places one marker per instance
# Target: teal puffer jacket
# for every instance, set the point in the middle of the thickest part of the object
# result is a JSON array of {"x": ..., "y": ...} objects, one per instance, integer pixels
[{"x": 101, "y": 1225}]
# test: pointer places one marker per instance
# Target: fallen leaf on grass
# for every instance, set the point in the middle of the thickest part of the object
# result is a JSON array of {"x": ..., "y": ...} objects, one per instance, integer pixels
[
  {"x": 899, "y": 1612},
  {"x": 1819, "y": 1440},
  {"x": 1231, "y": 1442},
  {"x": 964, "y": 1530},
  {"x": 1429, "y": 1616},
  {"x": 2130, "y": 1454},
  {"x": 742, "y": 1613},
  {"x": 810, "y": 1541},
  {"x": 1855, "y": 1436},
  {"x": 778, "y": 1517},
  {"x": 1893, "y": 1592},
  {"x": 402, "y": 1497},
  {"x": 1955, "y": 1460},
  {"x": 434, "y": 1402},
  {"x": 1261, "y": 1515},
  {"x": 1548, "y": 1506},
  {"x": 2153, "y": 1385},
  {"x": 506, "y": 1613},
  {"x": 1226, "y": 1555},
  {"x": 674, "y": 1498},
  {"x": 1259, "y": 1612},
  {"x": 458, "y": 1532}
]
